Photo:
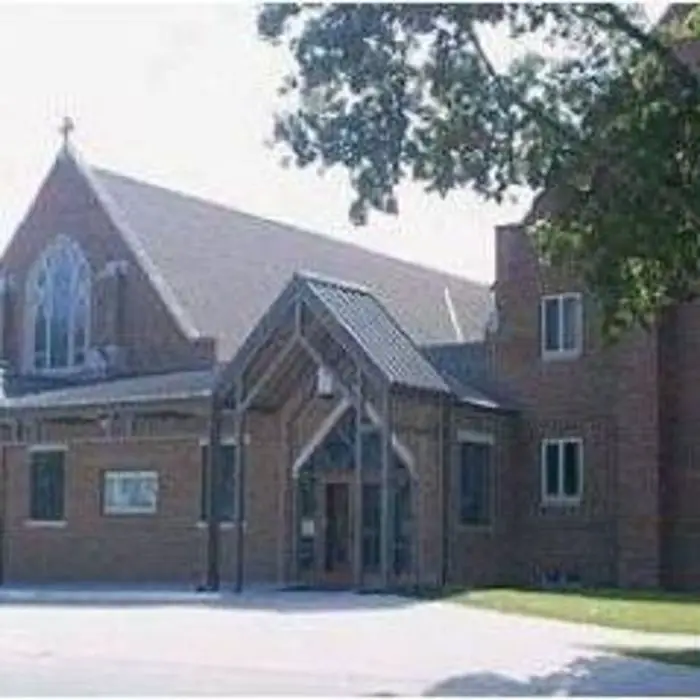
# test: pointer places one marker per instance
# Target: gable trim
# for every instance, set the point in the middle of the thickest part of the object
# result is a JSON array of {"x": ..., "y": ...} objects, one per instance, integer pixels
[
  {"x": 318, "y": 304},
  {"x": 160, "y": 284},
  {"x": 331, "y": 420}
]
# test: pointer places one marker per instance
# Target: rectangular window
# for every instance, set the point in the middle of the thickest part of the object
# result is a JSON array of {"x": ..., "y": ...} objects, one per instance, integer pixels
[
  {"x": 562, "y": 469},
  {"x": 552, "y": 468},
  {"x": 570, "y": 306},
  {"x": 47, "y": 485},
  {"x": 130, "y": 492},
  {"x": 475, "y": 483},
  {"x": 226, "y": 493},
  {"x": 561, "y": 325},
  {"x": 551, "y": 324}
]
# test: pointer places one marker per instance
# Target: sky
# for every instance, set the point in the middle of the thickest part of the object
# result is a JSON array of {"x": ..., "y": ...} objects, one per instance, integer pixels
[{"x": 184, "y": 96}]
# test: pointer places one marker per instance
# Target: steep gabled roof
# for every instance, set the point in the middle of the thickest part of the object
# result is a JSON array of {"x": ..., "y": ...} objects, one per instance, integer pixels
[
  {"x": 369, "y": 328},
  {"x": 384, "y": 342},
  {"x": 219, "y": 269},
  {"x": 372, "y": 332}
]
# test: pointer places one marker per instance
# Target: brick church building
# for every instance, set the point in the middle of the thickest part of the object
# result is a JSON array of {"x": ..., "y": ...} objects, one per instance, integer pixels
[{"x": 193, "y": 393}]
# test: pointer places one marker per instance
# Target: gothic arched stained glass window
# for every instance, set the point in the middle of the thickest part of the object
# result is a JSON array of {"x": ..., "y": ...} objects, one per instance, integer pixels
[{"x": 58, "y": 308}]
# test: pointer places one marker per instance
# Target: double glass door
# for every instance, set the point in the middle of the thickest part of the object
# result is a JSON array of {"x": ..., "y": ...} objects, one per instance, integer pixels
[
  {"x": 337, "y": 539},
  {"x": 325, "y": 548},
  {"x": 325, "y": 510}
]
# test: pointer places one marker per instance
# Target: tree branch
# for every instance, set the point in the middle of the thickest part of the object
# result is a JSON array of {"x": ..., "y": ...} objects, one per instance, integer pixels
[
  {"x": 511, "y": 95},
  {"x": 650, "y": 42}
]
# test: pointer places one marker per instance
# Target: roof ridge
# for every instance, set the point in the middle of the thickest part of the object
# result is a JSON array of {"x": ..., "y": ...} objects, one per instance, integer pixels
[
  {"x": 393, "y": 323},
  {"x": 121, "y": 222},
  {"x": 225, "y": 208},
  {"x": 330, "y": 281}
]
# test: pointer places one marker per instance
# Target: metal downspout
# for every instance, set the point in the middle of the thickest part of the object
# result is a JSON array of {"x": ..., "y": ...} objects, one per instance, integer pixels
[{"x": 445, "y": 457}]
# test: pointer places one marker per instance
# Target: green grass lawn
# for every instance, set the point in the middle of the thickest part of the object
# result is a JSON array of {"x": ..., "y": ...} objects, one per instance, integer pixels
[
  {"x": 677, "y": 657},
  {"x": 646, "y": 611}
]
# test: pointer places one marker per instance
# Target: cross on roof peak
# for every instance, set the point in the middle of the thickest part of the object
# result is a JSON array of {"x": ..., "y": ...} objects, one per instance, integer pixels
[{"x": 66, "y": 129}]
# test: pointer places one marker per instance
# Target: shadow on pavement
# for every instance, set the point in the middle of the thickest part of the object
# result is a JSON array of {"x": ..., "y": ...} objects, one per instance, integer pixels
[
  {"x": 602, "y": 675},
  {"x": 271, "y": 600}
]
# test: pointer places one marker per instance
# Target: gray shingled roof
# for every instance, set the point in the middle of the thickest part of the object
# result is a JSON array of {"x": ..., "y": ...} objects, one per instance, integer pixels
[
  {"x": 157, "y": 387},
  {"x": 457, "y": 369},
  {"x": 465, "y": 368},
  {"x": 224, "y": 268},
  {"x": 387, "y": 346}
]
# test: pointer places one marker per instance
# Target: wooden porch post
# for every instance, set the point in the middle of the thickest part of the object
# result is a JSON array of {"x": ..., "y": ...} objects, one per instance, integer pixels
[
  {"x": 387, "y": 540},
  {"x": 239, "y": 478},
  {"x": 283, "y": 513},
  {"x": 357, "y": 500},
  {"x": 213, "y": 530}
]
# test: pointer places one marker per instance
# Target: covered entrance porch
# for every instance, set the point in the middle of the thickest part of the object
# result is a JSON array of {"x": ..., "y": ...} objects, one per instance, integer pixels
[
  {"x": 352, "y": 401},
  {"x": 337, "y": 515}
]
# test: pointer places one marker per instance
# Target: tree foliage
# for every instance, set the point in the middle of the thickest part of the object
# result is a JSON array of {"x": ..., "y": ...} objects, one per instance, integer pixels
[{"x": 604, "y": 116}]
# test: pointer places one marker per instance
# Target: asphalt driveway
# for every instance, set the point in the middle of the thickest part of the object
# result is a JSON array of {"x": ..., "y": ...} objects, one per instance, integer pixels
[{"x": 311, "y": 644}]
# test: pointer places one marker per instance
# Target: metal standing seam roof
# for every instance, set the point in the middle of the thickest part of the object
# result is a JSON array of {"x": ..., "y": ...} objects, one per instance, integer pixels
[{"x": 377, "y": 333}]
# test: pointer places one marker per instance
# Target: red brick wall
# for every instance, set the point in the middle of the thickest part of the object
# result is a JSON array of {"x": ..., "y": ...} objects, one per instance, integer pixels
[
  {"x": 680, "y": 485},
  {"x": 168, "y": 547},
  {"x": 65, "y": 205},
  {"x": 482, "y": 555},
  {"x": 638, "y": 434},
  {"x": 418, "y": 425},
  {"x": 608, "y": 397}
]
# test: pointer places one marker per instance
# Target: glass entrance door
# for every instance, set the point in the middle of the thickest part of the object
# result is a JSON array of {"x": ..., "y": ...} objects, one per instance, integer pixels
[
  {"x": 326, "y": 510},
  {"x": 337, "y": 530}
]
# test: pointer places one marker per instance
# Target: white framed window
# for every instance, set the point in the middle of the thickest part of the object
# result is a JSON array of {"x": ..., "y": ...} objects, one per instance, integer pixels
[
  {"x": 57, "y": 309},
  {"x": 561, "y": 325},
  {"x": 128, "y": 492},
  {"x": 562, "y": 470}
]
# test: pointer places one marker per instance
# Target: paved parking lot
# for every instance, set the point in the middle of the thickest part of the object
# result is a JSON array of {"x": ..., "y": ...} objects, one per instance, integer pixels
[{"x": 311, "y": 643}]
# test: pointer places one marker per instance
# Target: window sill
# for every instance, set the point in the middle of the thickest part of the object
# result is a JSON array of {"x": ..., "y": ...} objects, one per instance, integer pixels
[
  {"x": 45, "y": 524},
  {"x": 479, "y": 528},
  {"x": 227, "y": 525},
  {"x": 561, "y": 355},
  {"x": 561, "y": 502},
  {"x": 57, "y": 371}
]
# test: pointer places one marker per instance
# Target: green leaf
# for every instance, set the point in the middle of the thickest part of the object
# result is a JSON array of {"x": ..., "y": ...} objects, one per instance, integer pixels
[{"x": 612, "y": 118}]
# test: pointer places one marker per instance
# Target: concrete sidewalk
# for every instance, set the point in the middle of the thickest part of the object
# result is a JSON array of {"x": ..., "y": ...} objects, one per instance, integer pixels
[
  {"x": 277, "y": 598},
  {"x": 92, "y": 641},
  {"x": 107, "y": 594},
  {"x": 110, "y": 594}
]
